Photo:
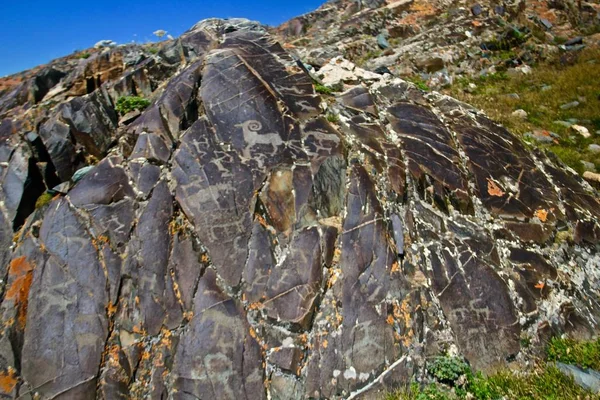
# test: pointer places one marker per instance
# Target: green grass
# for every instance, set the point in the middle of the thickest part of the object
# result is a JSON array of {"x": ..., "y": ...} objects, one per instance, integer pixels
[
  {"x": 84, "y": 55},
  {"x": 451, "y": 378},
  {"x": 129, "y": 103},
  {"x": 152, "y": 50},
  {"x": 568, "y": 351},
  {"x": 419, "y": 82},
  {"x": 322, "y": 89},
  {"x": 566, "y": 83}
]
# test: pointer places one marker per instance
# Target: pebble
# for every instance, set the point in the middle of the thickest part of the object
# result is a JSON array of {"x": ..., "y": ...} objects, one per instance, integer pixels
[
  {"x": 514, "y": 96},
  {"x": 594, "y": 148},
  {"x": 588, "y": 166},
  {"x": 541, "y": 136},
  {"x": 582, "y": 130},
  {"x": 545, "y": 88},
  {"x": 565, "y": 124},
  {"x": 570, "y": 105},
  {"x": 521, "y": 114}
]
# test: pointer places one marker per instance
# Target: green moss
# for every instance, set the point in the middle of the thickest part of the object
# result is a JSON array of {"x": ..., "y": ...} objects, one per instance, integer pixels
[
  {"x": 44, "y": 199},
  {"x": 583, "y": 354},
  {"x": 129, "y": 103},
  {"x": 322, "y": 89}
]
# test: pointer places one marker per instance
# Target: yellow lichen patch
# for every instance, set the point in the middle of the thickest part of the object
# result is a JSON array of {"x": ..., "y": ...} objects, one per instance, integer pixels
[
  {"x": 395, "y": 267},
  {"x": 542, "y": 215},
  {"x": 20, "y": 275},
  {"x": 204, "y": 258},
  {"x": 390, "y": 320},
  {"x": 8, "y": 381},
  {"x": 494, "y": 189},
  {"x": 111, "y": 309},
  {"x": 325, "y": 343}
]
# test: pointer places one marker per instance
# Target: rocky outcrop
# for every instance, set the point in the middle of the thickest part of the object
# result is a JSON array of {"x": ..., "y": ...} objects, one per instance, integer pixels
[{"x": 246, "y": 238}]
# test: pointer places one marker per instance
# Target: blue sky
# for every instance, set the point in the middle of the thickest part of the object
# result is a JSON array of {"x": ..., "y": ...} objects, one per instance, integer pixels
[{"x": 33, "y": 32}]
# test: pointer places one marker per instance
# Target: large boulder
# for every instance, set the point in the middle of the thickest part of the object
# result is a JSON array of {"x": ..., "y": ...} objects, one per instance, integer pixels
[{"x": 243, "y": 238}]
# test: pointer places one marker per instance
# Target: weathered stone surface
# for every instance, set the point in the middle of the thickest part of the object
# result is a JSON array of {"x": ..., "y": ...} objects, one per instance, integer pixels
[
  {"x": 231, "y": 242},
  {"x": 217, "y": 357}
]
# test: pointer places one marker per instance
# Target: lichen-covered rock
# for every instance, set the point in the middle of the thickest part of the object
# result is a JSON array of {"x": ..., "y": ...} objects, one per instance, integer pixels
[{"x": 232, "y": 242}]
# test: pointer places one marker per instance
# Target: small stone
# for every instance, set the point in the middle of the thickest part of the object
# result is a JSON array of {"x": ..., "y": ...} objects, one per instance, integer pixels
[
  {"x": 588, "y": 166},
  {"x": 524, "y": 69},
  {"x": 520, "y": 114},
  {"x": 594, "y": 148},
  {"x": 591, "y": 176},
  {"x": 499, "y": 10},
  {"x": 512, "y": 96},
  {"x": 565, "y": 124},
  {"x": 477, "y": 9},
  {"x": 570, "y": 105},
  {"x": 541, "y": 136},
  {"x": 574, "y": 41},
  {"x": 545, "y": 23},
  {"x": 588, "y": 379},
  {"x": 582, "y": 130},
  {"x": 382, "y": 42},
  {"x": 545, "y": 88}
]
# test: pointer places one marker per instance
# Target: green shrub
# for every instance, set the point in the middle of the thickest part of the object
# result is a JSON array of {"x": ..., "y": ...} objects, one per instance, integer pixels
[
  {"x": 448, "y": 369},
  {"x": 152, "y": 50},
  {"x": 129, "y": 103},
  {"x": 44, "y": 199},
  {"x": 84, "y": 55}
]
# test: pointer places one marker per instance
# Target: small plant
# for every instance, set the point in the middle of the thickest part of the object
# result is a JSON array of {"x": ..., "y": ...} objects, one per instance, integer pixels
[
  {"x": 84, "y": 55},
  {"x": 323, "y": 89},
  {"x": 44, "y": 199},
  {"x": 152, "y": 50},
  {"x": 129, "y": 103},
  {"x": 419, "y": 82},
  {"x": 333, "y": 118},
  {"x": 448, "y": 369}
]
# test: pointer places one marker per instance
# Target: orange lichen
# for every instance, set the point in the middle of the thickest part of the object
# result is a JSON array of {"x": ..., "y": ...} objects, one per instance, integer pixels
[
  {"x": 21, "y": 274},
  {"x": 540, "y": 285},
  {"x": 8, "y": 381},
  {"x": 390, "y": 320},
  {"x": 325, "y": 343},
  {"x": 395, "y": 267},
  {"x": 494, "y": 189},
  {"x": 542, "y": 215}
]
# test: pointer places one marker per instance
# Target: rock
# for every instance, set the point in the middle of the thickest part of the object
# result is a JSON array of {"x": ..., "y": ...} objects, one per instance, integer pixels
[
  {"x": 545, "y": 23},
  {"x": 105, "y": 43},
  {"x": 594, "y": 148},
  {"x": 231, "y": 242},
  {"x": 570, "y": 105},
  {"x": 476, "y": 9},
  {"x": 592, "y": 177},
  {"x": 588, "y": 166},
  {"x": 382, "y": 42},
  {"x": 382, "y": 71},
  {"x": 541, "y": 136},
  {"x": 519, "y": 114},
  {"x": 429, "y": 64},
  {"x": 574, "y": 41},
  {"x": 582, "y": 130},
  {"x": 588, "y": 379},
  {"x": 340, "y": 70}
]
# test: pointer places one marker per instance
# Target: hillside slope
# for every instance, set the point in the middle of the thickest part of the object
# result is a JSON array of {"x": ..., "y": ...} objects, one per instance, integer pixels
[{"x": 245, "y": 237}]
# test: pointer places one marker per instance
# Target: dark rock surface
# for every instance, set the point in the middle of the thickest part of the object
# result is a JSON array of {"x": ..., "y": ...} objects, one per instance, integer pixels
[{"x": 231, "y": 242}]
